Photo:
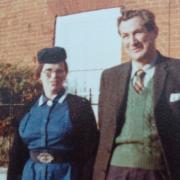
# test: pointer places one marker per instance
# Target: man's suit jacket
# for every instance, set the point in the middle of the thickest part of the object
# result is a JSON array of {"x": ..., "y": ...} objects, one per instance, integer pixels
[{"x": 112, "y": 105}]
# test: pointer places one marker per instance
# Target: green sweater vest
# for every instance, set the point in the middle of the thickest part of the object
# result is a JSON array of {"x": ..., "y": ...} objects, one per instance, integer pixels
[{"x": 138, "y": 144}]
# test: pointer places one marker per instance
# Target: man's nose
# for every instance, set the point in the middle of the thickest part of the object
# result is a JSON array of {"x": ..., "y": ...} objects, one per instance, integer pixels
[{"x": 133, "y": 40}]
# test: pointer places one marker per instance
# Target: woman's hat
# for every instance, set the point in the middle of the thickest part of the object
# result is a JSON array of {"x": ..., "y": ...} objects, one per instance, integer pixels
[{"x": 51, "y": 55}]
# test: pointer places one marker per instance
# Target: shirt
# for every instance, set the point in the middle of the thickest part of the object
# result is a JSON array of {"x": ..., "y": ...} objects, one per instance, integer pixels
[{"x": 149, "y": 69}]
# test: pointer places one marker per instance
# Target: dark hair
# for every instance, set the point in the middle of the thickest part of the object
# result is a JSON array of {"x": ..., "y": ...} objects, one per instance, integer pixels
[
  {"x": 40, "y": 67},
  {"x": 38, "y": 71},
  {"x": 146, "y": 15}
]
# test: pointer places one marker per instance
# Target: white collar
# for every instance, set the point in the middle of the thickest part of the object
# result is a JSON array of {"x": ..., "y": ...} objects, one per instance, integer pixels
[
  {"x": 44, "y": 99},
  {"x": 135, "y": 66}
]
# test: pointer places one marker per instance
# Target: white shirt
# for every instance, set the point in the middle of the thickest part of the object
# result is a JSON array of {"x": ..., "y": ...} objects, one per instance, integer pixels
[{"x": 149, "y": 69}]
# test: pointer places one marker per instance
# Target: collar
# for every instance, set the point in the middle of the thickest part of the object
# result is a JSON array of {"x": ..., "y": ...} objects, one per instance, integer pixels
[
  {"x": 146, "y": 68},
  {"x": 43, "y": 99}
]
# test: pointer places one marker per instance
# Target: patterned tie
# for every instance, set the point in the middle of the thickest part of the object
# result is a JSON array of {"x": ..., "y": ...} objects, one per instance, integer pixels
[{"x": 139, "y": 84}]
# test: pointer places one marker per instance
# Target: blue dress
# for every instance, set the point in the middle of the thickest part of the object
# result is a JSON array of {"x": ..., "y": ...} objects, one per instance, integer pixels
[{"x": 48, "y": 126}]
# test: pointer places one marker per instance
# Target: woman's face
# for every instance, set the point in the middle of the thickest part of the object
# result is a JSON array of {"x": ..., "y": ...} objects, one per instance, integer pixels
[{"x": 52, "y": 77}]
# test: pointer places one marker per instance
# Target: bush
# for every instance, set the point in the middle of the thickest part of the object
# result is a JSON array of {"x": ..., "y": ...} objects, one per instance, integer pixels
[
  {"x": 17, "y": 89},
  {"x": 17, "y": 85}
]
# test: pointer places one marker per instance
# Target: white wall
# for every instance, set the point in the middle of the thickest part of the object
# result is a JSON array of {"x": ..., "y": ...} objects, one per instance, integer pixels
[
  {"x": 92, "y": 44},
  {"x": 3, "y": 172}
]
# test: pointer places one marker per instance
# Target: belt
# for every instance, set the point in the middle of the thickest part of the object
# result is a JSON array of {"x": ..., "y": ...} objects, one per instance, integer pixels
[{"x": 49, "y": 156}]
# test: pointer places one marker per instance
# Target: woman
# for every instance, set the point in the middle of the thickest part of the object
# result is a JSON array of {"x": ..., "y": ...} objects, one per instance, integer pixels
[{"x": 57, "y": 138}]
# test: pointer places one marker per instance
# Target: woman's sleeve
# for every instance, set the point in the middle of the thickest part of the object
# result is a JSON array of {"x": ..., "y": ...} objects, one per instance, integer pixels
[
  {"x": 90, "y": 138},
  {"x": 18, "y": 155}
]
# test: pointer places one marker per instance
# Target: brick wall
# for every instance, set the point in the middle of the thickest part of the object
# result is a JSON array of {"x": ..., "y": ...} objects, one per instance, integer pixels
[{"x": 27, "y": 26}]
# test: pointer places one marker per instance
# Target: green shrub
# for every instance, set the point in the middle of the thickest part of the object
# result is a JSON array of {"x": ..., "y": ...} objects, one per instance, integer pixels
[{"x": 17, "y": 89}]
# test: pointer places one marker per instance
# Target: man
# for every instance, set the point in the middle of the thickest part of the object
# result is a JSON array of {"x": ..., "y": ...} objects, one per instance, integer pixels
[{"x": 139, "y": 108}]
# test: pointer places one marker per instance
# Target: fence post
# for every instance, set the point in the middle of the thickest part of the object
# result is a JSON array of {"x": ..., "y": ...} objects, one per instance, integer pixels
[{"x": 90, "y": 95}]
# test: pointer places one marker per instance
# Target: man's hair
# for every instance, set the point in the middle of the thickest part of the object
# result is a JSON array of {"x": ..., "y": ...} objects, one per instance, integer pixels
[{"x": 146, "y": 15}]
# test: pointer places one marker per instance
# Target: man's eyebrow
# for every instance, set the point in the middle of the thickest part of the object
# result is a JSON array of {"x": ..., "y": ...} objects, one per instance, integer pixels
[
  {"x": 48, "y": 69},
  {"x": 140, "y": 29}
]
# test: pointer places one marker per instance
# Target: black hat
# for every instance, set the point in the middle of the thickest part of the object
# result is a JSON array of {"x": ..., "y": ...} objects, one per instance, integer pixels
[{"x": 51, "y": 55}]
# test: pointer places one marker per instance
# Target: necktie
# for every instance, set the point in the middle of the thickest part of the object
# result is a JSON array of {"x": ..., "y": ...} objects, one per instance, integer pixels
[{"x": 139, "y": 84}]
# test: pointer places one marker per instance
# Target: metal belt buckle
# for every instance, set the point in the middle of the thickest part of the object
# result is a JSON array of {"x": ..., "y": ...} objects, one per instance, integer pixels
[{"x": 45, "y": 157}]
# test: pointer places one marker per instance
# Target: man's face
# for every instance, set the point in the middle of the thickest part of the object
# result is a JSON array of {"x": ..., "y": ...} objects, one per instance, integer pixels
[
  {"x": 137, "y": 41},
  {"x": 52, "y": 77}
]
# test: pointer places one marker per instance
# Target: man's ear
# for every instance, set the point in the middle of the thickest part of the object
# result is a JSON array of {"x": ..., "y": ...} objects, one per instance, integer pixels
[{"x": 156, "y": 31}]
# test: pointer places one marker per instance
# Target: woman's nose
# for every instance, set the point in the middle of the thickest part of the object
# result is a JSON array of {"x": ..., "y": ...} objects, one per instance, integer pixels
[{"x": 53, "y": 74}]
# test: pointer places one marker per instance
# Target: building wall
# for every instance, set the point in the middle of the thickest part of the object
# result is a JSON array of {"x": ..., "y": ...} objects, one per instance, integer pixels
[{"x": 26, "y": 26}]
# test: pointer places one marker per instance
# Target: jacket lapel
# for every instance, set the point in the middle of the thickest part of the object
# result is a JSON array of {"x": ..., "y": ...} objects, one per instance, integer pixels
[
  {"x": 120, "y": 84},
  {"x": 160, "y": 75},
  {"x": 123, "y": 81}
]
